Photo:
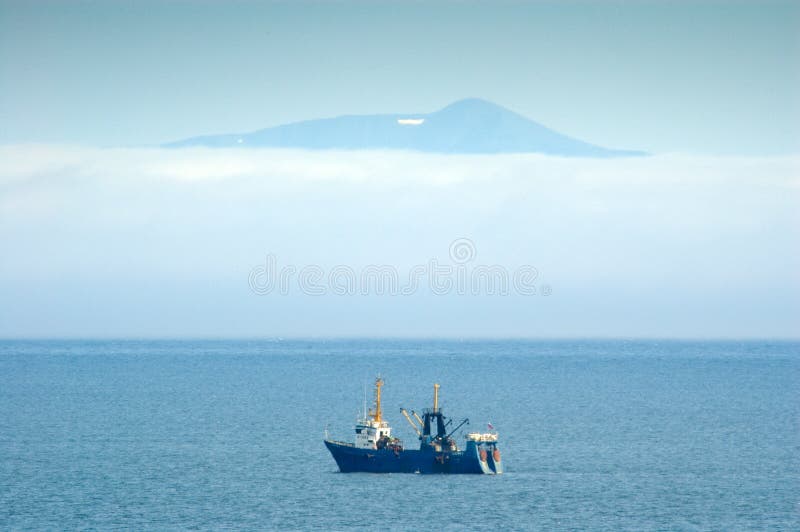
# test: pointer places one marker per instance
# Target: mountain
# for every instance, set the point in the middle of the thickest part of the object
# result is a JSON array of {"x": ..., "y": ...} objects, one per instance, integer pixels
[{"x": 466, "y": 126}]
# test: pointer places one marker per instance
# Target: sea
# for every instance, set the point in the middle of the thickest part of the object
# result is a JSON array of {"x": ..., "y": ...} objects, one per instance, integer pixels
[{"x": 228, "y": 434}]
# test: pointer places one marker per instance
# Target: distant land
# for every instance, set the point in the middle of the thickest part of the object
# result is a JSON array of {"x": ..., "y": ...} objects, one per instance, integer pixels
[{"x": 467, "y": 126}]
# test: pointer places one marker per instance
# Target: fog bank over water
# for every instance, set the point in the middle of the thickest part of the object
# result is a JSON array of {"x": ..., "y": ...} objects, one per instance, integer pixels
[{"x": 154, "y": 242}]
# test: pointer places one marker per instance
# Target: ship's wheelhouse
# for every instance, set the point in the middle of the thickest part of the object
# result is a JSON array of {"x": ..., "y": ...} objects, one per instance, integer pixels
[{"x": 369, "y": 432}]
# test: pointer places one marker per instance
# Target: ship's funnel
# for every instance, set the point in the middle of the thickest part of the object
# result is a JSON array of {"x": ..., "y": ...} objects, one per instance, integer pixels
[{"x": 435, "y": 398}]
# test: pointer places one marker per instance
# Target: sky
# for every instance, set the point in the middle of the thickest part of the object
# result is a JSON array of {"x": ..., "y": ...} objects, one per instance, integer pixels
[
  {"x": 696, "y": 77},
  {"x": 104, "y": 234}
]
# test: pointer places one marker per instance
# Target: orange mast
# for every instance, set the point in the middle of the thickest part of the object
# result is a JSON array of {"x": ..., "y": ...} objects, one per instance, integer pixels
[{"x": 378, "y": 413}]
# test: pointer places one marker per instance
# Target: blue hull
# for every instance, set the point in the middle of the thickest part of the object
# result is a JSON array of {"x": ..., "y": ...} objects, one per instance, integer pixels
[{"x": 351, "y": 459}]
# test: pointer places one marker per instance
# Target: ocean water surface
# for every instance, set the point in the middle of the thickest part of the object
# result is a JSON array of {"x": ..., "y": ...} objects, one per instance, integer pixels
[{"x": 602, "y": 435}]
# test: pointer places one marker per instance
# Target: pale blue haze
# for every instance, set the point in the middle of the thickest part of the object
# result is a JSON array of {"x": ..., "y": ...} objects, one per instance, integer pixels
[
  {"x": 104, "y": 234},
  {"x": 660, "y": 76}
]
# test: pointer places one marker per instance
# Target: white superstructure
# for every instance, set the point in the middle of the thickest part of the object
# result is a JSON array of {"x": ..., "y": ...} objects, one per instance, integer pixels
[
  {"x": 369, "y": 431},
  {"x": 482, "y": 437},
  {"x": 372, "y": 428}
]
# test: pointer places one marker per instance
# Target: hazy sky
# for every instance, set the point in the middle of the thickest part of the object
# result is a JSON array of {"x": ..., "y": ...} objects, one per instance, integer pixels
[
  {"x": 698, "y": 77},
  {"x": 101, "y": 235},
  {"x": 154, "y": 242}
]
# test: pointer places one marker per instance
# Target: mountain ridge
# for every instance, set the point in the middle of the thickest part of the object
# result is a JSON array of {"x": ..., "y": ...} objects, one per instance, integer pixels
[{"x": 468, "y": 126}]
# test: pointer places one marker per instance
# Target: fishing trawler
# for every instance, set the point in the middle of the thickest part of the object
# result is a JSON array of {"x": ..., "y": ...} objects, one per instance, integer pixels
[{"x": 375, "y": 450}]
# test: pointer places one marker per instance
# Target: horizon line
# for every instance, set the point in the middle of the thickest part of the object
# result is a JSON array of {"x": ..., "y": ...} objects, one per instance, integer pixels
[{"x": 289, "y": 338}]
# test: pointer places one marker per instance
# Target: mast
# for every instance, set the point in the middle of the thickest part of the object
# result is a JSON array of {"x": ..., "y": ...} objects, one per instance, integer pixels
[
  {"x": 434, "y": 413},
  {"x": 377, "y": 413}
]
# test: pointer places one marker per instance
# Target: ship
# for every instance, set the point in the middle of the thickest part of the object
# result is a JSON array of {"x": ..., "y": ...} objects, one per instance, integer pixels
[{"x": 375, "y": 450}]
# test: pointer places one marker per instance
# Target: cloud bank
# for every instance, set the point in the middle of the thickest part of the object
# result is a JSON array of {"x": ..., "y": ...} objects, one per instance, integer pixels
[{"x": 140, "y": 242}]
